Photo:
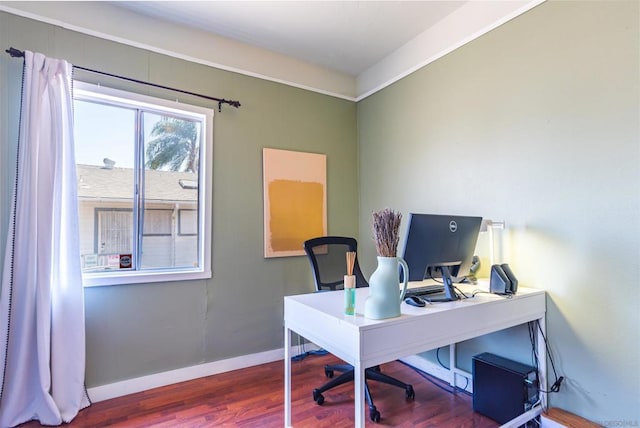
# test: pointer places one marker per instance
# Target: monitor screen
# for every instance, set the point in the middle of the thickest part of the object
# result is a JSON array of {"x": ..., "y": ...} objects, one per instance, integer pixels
[{"x": 440, "y": 246}]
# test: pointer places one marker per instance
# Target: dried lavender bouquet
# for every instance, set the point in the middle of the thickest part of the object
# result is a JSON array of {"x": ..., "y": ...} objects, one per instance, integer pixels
[{"x": 386, "y": 226}]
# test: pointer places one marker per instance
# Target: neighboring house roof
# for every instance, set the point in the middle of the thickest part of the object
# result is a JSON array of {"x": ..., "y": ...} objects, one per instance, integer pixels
[{"x": 98, "y": 182}]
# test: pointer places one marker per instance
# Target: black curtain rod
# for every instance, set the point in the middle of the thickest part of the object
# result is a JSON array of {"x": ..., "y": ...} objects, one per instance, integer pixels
[{"x": 15, "y": 53}]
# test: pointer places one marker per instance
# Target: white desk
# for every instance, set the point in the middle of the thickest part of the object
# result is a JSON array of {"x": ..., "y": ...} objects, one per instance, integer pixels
[{"x": 364, "y": 343}]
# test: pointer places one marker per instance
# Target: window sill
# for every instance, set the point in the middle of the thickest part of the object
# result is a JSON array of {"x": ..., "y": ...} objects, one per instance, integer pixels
[{"x": 121, "y": 278}]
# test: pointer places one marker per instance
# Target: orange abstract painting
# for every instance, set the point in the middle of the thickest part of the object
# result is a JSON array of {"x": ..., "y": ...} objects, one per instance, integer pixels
[{"x": 294, "y": 200}]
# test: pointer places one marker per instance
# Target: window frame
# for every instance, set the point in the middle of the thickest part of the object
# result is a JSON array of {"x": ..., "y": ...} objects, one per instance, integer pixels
[{"x": 94, "y": 93}]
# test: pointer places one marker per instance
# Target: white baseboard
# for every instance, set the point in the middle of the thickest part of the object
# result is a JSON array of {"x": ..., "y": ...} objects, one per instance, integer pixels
[
  {"x": 439, "y": 372},
  {"x": 549, "y": 423},
  {"x": 143, "y": 383}
]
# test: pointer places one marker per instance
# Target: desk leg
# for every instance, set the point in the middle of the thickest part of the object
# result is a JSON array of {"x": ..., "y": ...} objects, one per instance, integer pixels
[
  {"x": 542, "y": 360},
  {"x": 287, "y": 376},
  {"x": 452, "y": 365},
  {"x": 358, "y": 385}
]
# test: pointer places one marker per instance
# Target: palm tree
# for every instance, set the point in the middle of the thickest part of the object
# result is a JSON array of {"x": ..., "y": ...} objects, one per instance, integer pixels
[{"x": 176, "y": 145}]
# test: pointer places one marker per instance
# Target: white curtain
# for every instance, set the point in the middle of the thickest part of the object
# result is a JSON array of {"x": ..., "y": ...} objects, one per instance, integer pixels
[{"x": 42, "y": 341}]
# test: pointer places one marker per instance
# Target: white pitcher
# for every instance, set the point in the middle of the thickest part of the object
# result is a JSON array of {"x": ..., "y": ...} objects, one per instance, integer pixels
[{"x": 384, "y": 294}]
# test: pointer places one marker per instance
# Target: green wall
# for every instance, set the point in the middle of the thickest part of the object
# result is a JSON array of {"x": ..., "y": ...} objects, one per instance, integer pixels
[
  {"x": 535, "y": 123},
  {"x": 143, "y": 329}
]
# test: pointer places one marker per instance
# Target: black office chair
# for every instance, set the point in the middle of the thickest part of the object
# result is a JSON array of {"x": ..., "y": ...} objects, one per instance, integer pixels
[{"x": 327, "y": 256}]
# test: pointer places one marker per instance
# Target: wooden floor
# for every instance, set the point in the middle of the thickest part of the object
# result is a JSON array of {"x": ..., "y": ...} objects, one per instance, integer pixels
[{"x": 254, "y": 397}]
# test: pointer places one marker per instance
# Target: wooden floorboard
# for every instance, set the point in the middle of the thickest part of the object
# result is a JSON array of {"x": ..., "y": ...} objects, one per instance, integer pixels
[{"x": 253, "y": 397}]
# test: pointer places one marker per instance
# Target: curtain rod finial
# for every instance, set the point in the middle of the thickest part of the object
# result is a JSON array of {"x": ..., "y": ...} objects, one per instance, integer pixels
[{"x": 15, "y": 53}]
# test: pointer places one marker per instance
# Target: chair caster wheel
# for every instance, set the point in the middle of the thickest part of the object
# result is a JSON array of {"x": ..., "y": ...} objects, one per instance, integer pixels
[
  {"x": 410, "y": 393},
  {"x": 318, "y": 397},
  {"x": 374, "y": 415},
  {"x": 328, "y": 373}
]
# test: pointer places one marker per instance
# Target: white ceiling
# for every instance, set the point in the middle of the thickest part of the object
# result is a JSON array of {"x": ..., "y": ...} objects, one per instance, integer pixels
[
  {"x": 346, "y": 36},
  {"x": 347, "y": 49}
]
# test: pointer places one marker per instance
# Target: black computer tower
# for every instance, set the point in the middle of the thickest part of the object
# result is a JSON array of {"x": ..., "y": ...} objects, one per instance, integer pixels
[{"x": 502, "y": 388}]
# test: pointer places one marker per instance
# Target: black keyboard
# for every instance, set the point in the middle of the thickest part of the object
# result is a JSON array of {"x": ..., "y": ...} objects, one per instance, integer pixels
[{"x": 424, "y": 290}]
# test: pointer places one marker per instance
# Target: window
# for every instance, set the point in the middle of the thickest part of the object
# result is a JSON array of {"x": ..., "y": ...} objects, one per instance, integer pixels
[
  {"x": 188, "y": 222},
  {"x": 158, "y": 222},
  {"x": 144, "y": 187},
  {"x": 115, "y": 231}
]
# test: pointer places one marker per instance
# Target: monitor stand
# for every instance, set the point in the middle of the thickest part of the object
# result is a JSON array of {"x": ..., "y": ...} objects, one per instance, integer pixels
[{"x": 450, "y": 294}]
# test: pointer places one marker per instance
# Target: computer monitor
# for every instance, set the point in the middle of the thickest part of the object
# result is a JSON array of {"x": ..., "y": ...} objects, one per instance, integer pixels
[{"x": 440, "y": 246}]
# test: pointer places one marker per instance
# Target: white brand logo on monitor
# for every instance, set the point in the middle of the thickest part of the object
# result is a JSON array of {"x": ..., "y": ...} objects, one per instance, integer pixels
[{"x": 453, "y": 226}]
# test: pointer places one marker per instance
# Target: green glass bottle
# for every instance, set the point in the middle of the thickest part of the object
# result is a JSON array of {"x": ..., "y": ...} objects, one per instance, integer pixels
[{"x": 349, "y": 295}]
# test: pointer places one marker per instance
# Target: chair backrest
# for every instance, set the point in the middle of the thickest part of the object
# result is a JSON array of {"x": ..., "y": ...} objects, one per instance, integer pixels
[{"x": 327, "y": 255}]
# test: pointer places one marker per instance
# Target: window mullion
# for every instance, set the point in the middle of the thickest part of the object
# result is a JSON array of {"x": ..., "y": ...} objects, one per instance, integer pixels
[{"x": 138, "y": 209}]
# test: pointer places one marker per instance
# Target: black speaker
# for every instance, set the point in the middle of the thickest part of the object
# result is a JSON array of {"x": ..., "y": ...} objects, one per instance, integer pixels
[
  {"x": 502, "y": 389},
  {"x": 502, "y": 280},
  {"x": 499, "y": 282},
  {"x": 512, "y": 278}
]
